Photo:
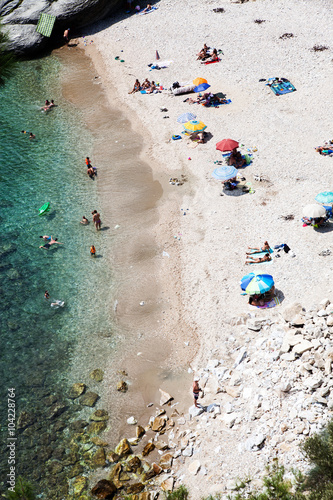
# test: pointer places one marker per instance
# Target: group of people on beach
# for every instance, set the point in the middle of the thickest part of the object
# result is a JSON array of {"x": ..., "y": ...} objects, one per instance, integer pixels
[
  {"x": 207, "y": 54},
  {"x": 91, "y": 171},
  {"x": 147, "y": 86}
]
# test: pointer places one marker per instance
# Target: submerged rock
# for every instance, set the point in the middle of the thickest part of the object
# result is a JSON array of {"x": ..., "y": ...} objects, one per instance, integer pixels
[
  {"x": 98, "y": 459},
  {"x": 97, "y": 375},
  {"x": 89, "y": 399},
  {"x": 96, "y": 427},
  {"x": 25, "y": 420},
  {"x": 79, "y": 485},
  {"x": 99, "y": 416},
  {"x": 76, "y": 390},
  {"x": 135, "y": 488}
]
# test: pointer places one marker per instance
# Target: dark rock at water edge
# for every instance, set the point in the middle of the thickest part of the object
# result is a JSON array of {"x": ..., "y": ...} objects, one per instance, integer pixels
[{"x": 21, "y": 18}]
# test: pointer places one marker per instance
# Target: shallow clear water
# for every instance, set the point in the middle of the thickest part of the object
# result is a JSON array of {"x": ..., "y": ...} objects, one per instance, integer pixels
[{"x": 37, "y": 340}]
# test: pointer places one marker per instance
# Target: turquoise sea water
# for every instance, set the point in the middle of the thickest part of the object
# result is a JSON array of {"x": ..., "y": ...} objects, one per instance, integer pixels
[{"x": 37, "y": 340}]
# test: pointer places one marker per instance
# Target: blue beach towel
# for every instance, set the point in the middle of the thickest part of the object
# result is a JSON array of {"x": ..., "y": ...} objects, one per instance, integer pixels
[{"x": 280, "y": 86}]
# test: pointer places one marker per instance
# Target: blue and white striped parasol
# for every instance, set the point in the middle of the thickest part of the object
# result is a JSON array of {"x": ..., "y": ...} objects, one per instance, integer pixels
[{"x": 225, "y": 173}]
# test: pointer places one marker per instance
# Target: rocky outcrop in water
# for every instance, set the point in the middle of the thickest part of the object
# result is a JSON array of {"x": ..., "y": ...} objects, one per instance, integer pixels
[{"x": 21, "y": 17}]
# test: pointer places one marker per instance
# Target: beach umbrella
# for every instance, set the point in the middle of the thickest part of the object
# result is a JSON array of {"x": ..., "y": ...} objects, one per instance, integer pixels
[
  {"x": 194, "y": 126},
  {"x": 186, "y": 117},
  {"x": 254, "y": 283},
  {"x": 325, "y": 197},
  {"x": 314, "y": 211},
  {"x": 201, "y": 88},
  {"x": 198, "y": 81},
  {"x": 227, "y": 145},
  {"x": 225, "y": 172}
]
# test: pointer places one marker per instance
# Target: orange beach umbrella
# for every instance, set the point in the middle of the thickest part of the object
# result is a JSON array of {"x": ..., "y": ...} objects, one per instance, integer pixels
[{"x": 198, "y": 81}]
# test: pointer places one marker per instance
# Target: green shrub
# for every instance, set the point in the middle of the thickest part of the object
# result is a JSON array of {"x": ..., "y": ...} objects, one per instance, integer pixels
[{"x": 180, "y": 493}]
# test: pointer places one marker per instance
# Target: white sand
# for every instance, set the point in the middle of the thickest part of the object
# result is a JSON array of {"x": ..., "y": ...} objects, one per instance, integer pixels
[{"x": 285, "y": 130}]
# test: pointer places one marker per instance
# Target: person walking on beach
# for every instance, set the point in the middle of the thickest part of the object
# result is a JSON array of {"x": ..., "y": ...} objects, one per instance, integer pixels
[
  {"x": 96, "y": 219},
  {"x": 196, "y": 390}
]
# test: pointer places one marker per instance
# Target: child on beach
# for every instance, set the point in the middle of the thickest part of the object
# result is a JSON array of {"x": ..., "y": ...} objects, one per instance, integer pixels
[{"x": 92, "y": 251}]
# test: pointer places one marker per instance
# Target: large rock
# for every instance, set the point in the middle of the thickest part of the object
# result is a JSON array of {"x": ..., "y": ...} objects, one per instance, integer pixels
[
  {"x": 123, "y": 448},
  {"x": 148, "y": 449},
  {"x": 135, "y": 488},
  {"x": 166, "y": 461},
  {"x": 79, "y": 485},
  {"x": 20, "y": 18},
  {"x": 76, "y": 390},
  {"x": 159, "y": 423},
  {"x": 89, "y": 399},
  {"x": 97, "y": 375},
  {"x": 104, "y": 490},
  {"x": 99, "y": 416},
  {"x": 98, "y": 458},
  {"x": 165, "y": 397},
  {"x": 292, "y": 311}
]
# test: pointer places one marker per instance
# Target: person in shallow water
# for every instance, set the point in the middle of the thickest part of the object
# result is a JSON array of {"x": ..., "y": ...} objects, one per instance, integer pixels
[
  {"x": 49, "y": 242},
  {"x": 84, "y": 220},
  {"x": 96, "y": 219},
  {"x": 92, "y": 251},
  {"x": 46, "y": 294}
]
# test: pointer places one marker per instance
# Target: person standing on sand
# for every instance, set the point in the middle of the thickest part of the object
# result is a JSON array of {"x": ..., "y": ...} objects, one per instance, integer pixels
[
  {"x": 196, "y": 390},
  {"x": 66, "y": 36},
  {"x": 96, "y": 219}
]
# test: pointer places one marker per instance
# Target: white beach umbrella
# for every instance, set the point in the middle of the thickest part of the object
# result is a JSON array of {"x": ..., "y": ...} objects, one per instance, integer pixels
[{"x": 314, "y": 211}]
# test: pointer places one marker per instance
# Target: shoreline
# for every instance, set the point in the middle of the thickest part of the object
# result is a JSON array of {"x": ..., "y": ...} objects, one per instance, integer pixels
[{"x": 156, "y": 330}]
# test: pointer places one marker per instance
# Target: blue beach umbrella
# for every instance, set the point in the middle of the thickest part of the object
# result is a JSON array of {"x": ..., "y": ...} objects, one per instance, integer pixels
[
  {"x": 201, "y": 88},
  {"x": 225, "y": 173},
  {"x": 325, "y": 197},
  {"x": 186, "y": 117},
  {"x": 254, "y": 283}
]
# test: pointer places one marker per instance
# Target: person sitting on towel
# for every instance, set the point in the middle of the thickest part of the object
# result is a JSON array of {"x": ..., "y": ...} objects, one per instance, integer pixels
[
  {"x": 203, "y": 53},
  {"x": 214, "y": 57},
  {"x": 151, "y": 88},
  {"x": 256, "y": 300},
  {"x": 254, "y": 260},
  {"x": 136, "y": 87},
  {"x": 236, "y": 159},
  {"x": 146, "y": 84}
]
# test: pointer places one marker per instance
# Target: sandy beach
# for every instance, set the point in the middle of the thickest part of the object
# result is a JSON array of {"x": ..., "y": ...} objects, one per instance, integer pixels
[{"x": 192, "y": 294}]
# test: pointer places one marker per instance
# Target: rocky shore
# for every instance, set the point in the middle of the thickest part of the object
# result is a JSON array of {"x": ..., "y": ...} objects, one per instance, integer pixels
[{"x": 267, "y": 389}]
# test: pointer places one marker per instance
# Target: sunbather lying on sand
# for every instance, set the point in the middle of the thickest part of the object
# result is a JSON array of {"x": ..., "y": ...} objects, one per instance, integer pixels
[
  {"x": 236, "y": 159},
  {"x": 136, "y": 87},
  {"x": 265, "y": 248},
  {"x": 253, "y": 260},
  {"x": 199, "y": 137},
  {"x": 325, "y": 150}
]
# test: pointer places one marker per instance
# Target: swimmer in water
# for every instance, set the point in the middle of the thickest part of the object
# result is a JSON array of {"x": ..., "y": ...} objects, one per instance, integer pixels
[
  {"x": 32, "y": 136},
  {"x": 57, "y": 303},
  {"x": 46, "y": 294},
  {"x": 49, "y": 242},
  {"x": 84, "y": 220}
]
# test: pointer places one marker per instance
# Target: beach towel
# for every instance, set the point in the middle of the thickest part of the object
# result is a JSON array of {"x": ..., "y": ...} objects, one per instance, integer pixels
[
  {"x": 272, "y": 303},
  {"x": 212, "y": 62},
  {"x": 280, "y": 86},
  {"x": 215, "y": 104},
  {"x": 160, "y": 64},
  {"x": 45, "y": 24},
  {"x": 148, "y": 11},
  {"x": 261, "y": 254}
]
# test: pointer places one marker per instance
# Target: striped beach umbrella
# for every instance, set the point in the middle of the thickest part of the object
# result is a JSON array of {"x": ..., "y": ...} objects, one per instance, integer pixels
[
  {"x": 256, "y": 284},
  {"x": 225, "y": 173},
  {"x": 186, "y": 117},
  {"x": 194, "y": 126}
]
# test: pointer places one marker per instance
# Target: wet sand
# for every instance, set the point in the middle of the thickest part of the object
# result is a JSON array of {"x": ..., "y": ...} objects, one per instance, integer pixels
[{"x": 147, "y": 341}]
